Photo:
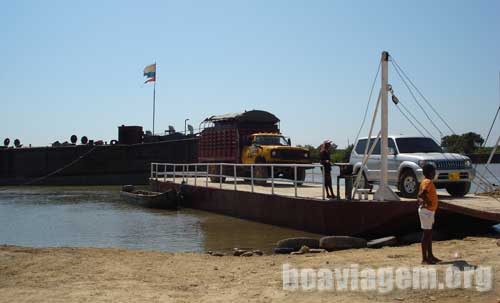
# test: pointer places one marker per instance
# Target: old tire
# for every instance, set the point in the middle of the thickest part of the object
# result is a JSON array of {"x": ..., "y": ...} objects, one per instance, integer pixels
[
  {"x": 301, "y": 176},
  {"x": 408, "y": 184},
  {"x": 458, "y": 189},
  {"x": 379, "y": 243},
  {"x": 283, "y": 250},
  {"x": 333, "y": 243},
  {"x": 297, "y": 243}
]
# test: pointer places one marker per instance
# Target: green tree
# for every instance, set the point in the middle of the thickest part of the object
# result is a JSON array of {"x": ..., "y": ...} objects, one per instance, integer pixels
[
  {"x": 465, "y": 143},
  {"x": 472, "y": 142},
  {"x": 342, "y": 155}
]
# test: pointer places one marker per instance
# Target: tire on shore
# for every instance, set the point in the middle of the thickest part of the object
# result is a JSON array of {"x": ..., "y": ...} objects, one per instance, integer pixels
[
  {"x": 381, "y": 242},
  {"x": 297, "y": 243},
  {"x": 333, "y": 243},
  {"x": 283, "y": 250}
]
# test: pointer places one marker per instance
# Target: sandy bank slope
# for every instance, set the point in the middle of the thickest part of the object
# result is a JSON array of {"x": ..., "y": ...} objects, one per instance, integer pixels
[{"x": 117, "y": 275}]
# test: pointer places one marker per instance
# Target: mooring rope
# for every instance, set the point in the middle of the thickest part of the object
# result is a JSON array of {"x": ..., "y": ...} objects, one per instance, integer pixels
[{"x": 31, "y": 182}]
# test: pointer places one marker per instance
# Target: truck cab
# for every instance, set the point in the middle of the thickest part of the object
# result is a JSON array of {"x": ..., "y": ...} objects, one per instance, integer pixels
[{"x": 272, "y": 148}]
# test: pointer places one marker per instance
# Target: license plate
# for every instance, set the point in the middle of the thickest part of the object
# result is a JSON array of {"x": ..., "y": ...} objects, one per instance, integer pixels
[{"x": 454, "y": 176}]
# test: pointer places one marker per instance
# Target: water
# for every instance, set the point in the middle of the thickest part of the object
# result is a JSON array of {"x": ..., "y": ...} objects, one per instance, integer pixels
[{"x": 97, "y": 217}]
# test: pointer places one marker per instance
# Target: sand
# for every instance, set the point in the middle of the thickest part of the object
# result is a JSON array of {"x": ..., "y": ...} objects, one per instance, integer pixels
[{"x": 120, "y": 275}]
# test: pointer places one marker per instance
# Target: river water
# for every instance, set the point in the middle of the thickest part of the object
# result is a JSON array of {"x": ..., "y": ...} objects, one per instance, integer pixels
[{"x": 97, "y": 217}]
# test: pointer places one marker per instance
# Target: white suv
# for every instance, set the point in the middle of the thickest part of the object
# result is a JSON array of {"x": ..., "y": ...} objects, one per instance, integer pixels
[{"x": 407, "y": 156}]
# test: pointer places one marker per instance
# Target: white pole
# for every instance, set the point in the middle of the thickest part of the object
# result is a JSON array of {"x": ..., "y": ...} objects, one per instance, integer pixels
[
  {"x": 220, "y": 176},
  {"x": 384, "y": 192},
  {"x": 272, "y": 179},
  {"x": 234, "y": 176},
  {"x": 295, "y": 178},
  {"x": 251, "y": 175}
]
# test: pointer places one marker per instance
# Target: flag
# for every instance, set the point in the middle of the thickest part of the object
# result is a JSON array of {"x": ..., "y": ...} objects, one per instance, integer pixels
[{"x": 150, "y": 73}]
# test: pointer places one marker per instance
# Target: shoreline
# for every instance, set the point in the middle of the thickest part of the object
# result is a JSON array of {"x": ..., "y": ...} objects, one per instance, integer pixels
[{"x": 68, "y": 274}]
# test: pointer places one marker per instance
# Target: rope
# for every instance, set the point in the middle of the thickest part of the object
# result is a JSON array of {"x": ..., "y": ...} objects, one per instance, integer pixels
[
  {"x": 368, "y": 104},
  {"x": 58, "y": 170},
  {"x": 416, "y": 101},
  {"x": 491, "y": 127},
  {"x": 418, "y": 122},
  {"x": 421, "y": 95},
  {"x": 401, "y": 72},
  {"x": 409, "y": 120}
]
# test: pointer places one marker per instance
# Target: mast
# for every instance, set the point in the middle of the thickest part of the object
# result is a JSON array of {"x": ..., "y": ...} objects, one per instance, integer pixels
[
  {"x": 384, "y": 192},
  {"x": 154, "y": 101}
]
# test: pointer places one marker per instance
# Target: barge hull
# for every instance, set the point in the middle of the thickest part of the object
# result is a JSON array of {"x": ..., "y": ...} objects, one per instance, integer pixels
[
  {"x": 91, "y": 165},
  {"x": 339, "y": 217}
]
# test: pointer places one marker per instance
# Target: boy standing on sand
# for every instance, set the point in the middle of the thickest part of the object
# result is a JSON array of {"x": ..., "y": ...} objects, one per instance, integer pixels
[{"x": 428, "y": 204}]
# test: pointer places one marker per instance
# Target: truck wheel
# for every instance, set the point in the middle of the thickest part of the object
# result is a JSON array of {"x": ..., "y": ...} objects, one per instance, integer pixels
[
  {"x": 301, "y": 176},
  {"x": 215, "y": 170},
  {"x": 408, "y": 184},
  {"x": 458, "y": 189},
  {"x": 261, "y": 172}
]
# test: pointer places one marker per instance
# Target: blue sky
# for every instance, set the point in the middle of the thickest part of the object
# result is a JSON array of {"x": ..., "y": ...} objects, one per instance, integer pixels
[{"x": 75, "y": 67}]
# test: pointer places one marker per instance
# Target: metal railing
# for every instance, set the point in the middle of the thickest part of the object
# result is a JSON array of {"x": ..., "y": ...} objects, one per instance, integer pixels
[{"x": 203, "y": 172}]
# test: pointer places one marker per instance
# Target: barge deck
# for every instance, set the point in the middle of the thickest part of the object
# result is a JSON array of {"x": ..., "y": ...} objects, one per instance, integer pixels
[{"x": 285, "y": 203}]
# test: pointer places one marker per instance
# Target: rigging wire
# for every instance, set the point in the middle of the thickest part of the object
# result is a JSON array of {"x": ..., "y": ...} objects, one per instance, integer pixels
[
  {"x": 422, "y": 95},
  {"x": 368, "y": 104},
  {"x": 416, "y": 101},
  {"x": 396, "y": 66},
  {"x": 478, "y": 184},
  {"x": 491, "y": 127},
  {"x": 416, "y": 120},
  {"x": 409, "y": 120},
  {"x": 401, "y": 72}
]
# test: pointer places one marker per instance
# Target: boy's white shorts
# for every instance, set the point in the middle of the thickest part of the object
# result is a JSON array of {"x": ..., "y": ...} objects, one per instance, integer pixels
[{"x": 426, "y": 218}]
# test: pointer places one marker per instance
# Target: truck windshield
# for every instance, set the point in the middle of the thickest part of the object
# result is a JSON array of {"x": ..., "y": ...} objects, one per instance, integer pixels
[
  {"x": 271, "y": 140},
  {"x": 418, "y": 145}
]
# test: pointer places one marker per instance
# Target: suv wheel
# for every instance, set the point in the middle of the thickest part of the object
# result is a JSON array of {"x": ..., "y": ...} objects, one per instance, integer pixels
[
  {"x": 458, "y": 189},
  {"x": 363, "y": 181},
  {"x": 408, "y": 184}
]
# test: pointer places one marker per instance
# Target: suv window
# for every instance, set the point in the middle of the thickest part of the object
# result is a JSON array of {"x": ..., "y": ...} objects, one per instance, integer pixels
[
  {"x": 418, "y": 145},
  {"x": 360, "y": 148}
]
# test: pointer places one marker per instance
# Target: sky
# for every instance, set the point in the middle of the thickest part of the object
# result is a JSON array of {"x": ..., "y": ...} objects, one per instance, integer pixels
[{"x": 75, "y": 67}]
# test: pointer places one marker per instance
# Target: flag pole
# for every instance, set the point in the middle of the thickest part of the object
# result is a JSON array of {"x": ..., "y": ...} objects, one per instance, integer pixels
[{"x": 154, "y": 101}]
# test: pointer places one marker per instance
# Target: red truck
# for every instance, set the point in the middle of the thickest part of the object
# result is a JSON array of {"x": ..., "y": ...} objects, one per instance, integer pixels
[{"x": 251, "y": 137}]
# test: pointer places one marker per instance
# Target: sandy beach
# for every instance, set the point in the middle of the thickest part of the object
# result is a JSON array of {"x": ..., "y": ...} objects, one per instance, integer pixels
[{"x": 119, "y": 275}]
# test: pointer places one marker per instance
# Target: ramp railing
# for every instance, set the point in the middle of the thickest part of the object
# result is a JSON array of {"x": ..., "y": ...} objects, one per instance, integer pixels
[{"x": 249, "y": 177}]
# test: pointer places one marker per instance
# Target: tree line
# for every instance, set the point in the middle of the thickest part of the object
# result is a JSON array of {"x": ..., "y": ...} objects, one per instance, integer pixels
[{"x": 467, "y": 143}]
